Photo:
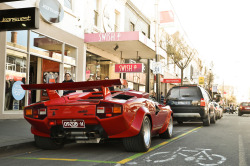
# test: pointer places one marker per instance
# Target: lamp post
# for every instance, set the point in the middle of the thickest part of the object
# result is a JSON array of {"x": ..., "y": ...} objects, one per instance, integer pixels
[{"x": 157, "y": 58}]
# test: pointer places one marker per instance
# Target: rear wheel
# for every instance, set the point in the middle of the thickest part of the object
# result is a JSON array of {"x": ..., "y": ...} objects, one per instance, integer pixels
[
  {"x": 142, "y": 141},
  {"x": 206, "y": 121},
  {"x": 48, "y": 143},
  {"x": 169, "y": 132},
  {"x": 239, "y": 113}
]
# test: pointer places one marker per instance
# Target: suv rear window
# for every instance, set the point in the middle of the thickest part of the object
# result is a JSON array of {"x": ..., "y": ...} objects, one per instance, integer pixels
[
  {"x": 188, "y": 93},
  {"x": 245, "y": 104}
]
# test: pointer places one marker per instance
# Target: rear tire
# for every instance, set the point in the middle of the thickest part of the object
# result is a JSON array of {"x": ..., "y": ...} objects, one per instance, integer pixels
[
  {"x": 239, "y": 113},
  {"x": 142, "y": 141},
  {"x": 169, "y": 132},
  {"x": 48, "y": 143},
  {"x": 206, "y": 121}
]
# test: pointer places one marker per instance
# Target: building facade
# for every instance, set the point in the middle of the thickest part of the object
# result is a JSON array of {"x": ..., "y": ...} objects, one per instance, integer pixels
[{"x": 41, "y": 55}]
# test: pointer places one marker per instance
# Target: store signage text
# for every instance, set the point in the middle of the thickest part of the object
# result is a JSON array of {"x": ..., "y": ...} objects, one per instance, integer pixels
[
  {"x": 15, "y": 19},
  {"x": 110, "y": 36},
  {"x": 19, "y": 19},
  {"x": 171, "y": 80},
  {"x": 129, "y": 68}
]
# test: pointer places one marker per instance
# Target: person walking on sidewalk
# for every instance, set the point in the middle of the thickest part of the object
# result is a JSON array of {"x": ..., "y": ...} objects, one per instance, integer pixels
[
  {"x": 162, "y": 98},
  {"x": 66, "y": 80}
]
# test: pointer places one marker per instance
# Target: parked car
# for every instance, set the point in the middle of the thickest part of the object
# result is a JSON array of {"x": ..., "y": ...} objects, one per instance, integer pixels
[
  {"x": 191, "y": 102},
  {"x": 244, "y": 108},
  {"x": 89, "y": 116},
  {"x": 218, "y": 110}
]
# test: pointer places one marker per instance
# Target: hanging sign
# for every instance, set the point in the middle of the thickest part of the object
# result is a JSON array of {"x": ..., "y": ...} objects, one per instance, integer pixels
[
  {"x": 171, "y": 80},
  {"x": 17, "y": 91},
  {"x": 129, "y": 68},
  {"x": 201, "y": 81},
  {"x": 51, "y": 10},
  {"x": 19, "y": 19}
]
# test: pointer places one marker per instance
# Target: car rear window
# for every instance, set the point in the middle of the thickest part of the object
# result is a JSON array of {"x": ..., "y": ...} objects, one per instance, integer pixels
[
  {"x": 184, "y": 93},
  {"x": 245, "y": 104}
]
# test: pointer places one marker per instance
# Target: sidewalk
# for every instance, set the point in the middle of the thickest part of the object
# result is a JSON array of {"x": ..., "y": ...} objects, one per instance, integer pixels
[{"x": 14, "y": 133}]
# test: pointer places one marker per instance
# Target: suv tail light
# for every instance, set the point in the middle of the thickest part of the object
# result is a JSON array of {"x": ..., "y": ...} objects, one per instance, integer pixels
[
  {"x": 36, "y": 112},
  {"x": 106, "y": 110},
  {"x": 203, "y": 102},
  {"x": 241, "y": 107}
]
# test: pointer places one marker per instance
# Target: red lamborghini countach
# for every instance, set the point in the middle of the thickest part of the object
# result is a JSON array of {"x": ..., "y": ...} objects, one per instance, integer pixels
[{"x": 87, "y": 116}]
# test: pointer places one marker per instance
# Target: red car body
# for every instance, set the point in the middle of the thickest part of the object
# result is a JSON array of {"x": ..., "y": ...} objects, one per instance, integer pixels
[{"x": 93, "y": 116}]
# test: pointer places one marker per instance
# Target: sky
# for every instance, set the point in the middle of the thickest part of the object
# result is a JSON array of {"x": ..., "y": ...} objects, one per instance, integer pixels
[{"x": 219, "y": 30}]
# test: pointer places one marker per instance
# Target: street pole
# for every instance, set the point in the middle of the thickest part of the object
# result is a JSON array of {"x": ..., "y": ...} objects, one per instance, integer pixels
[{"x": 157, "y": 58}]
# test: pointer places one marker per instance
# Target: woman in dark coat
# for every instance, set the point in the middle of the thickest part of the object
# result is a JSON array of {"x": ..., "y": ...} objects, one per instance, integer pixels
[{"x": 66, "y": 80}]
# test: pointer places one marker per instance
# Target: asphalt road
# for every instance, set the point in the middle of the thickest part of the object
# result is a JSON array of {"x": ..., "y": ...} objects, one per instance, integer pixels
[{"x": 225, "y": 143}]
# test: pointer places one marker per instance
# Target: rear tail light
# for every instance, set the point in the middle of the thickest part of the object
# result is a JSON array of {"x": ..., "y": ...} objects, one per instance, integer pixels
[
  {"x": 241, "y": 107},
  {"x": 100, "y": 110},
  {"x": 28, "y": 112},
  {"x": 36, "y": 113},
  {"x": 106, "y": 110},
  {"x": 42, "y": 111},
  {"x": 203, "y": 103}
]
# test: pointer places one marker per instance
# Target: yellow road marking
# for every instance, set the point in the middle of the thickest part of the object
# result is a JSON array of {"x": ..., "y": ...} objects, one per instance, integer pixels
[{"x": 124, "y": 161}]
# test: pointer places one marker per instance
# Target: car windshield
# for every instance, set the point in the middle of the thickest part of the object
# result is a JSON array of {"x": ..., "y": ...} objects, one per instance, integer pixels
[
  {"x": 184, "y": 93},
  {"x": 246, "y": 104}
]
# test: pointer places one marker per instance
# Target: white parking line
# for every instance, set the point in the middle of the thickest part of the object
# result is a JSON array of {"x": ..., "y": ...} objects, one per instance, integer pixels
[{"x": 242, "y": 159}]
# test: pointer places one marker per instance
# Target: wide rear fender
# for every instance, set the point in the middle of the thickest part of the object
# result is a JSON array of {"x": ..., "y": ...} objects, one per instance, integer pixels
[
  {"x": 135, "y": 127},
  {"x": 166, "y": 123}
]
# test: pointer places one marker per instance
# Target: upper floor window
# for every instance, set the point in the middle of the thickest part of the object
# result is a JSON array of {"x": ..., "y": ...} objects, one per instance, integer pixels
[
  {"x": 132, "y": 26},
  {"x": 117, "y": 14},
  {"x": 68, "y": 4},
  {"x": 95, "y": 9}
]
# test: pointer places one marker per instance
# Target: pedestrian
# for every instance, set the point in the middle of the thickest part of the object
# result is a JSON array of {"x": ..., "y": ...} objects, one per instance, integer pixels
[
  {"x": 153, "y": 95},
  {"x": 98, "y": 78},
  {"x": 162, "y": 98},
  {"x": 111, "y": 88},
  {"x": 67, "y": 79}
]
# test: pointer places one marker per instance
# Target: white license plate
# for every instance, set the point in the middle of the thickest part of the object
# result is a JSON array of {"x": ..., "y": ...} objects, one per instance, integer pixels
[
  {"x": 73, "y": 124},
  {"x": 247, "y": 108},
  {"x": 184, "y": 102}
]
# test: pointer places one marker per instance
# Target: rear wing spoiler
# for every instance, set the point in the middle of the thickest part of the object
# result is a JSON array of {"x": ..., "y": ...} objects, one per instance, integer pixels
[{"x": 50, "y": 88}]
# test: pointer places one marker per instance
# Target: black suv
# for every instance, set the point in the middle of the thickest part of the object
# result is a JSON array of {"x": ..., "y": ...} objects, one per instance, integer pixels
[{"x": 191, "y": 102}]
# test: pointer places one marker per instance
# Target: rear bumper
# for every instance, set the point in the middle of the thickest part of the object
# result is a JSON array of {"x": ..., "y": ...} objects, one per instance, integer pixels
[
  {"x": 244, "y": 111},
  {"x": 184, "y": 113}
]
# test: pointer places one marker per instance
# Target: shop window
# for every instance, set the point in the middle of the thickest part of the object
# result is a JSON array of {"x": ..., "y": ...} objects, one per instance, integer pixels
[
  {"x": 68, "y": 4},
  {"x": 15, "y": 73},
  {"x": 70, "y": 54},
  {"x": 97, "y": 67},
  {"x": 17, "y": 39},
  {"x": 45, "y": 47}
]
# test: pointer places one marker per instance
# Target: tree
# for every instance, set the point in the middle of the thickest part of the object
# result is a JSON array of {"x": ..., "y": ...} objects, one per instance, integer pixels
[
  {"x": 179, "y": 51},
  {"x": 209, "y": 78}
]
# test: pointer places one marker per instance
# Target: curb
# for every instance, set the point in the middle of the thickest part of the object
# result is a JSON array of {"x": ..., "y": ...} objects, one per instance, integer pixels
[{"x": 14, "y": 147}]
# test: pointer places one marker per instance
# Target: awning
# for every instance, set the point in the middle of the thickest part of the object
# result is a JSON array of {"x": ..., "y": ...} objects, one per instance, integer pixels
[{"x": 132, "y": 44}]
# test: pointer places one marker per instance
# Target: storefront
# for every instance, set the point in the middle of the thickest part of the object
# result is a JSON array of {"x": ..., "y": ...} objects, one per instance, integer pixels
[
  {"x": 36, "y": 56},
  {"x": 120, "y": 47}
]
